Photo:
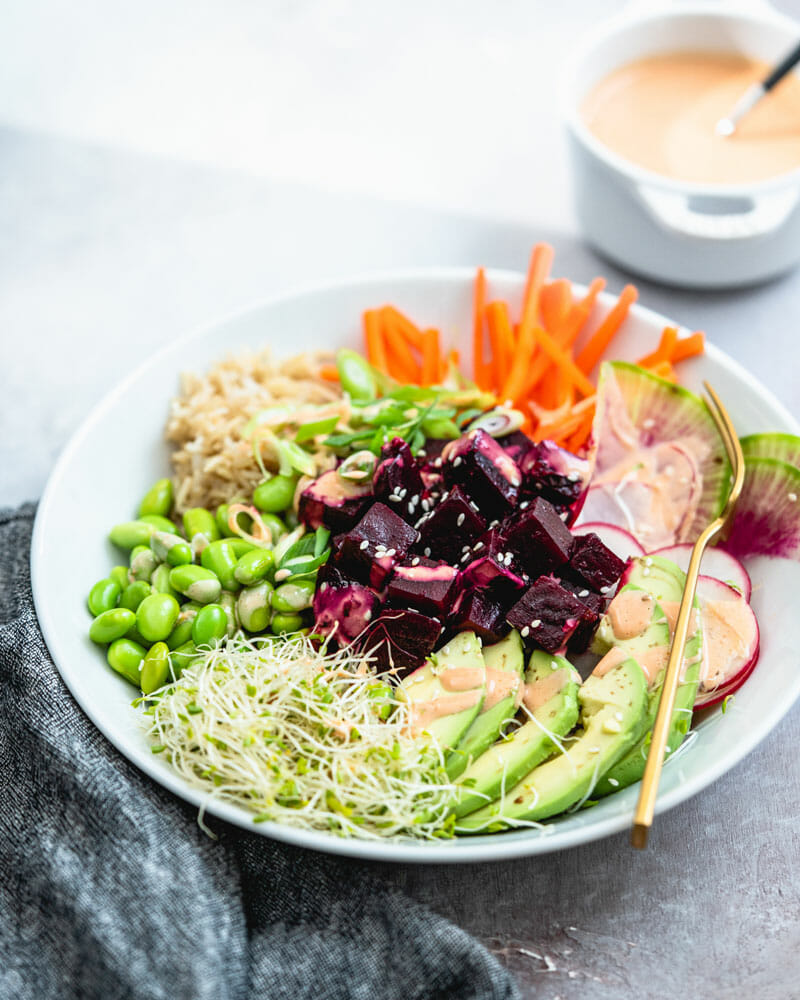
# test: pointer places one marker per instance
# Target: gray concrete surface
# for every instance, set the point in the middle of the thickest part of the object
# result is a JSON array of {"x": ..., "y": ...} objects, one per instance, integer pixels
[{"x": 105, "y": 255}]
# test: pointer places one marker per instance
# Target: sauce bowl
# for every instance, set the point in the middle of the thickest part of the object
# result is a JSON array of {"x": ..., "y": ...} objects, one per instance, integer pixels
[{"x": 683, "y": 233}]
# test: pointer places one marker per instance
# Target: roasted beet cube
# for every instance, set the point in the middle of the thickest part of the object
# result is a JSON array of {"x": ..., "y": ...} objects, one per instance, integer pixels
[
  {"x": 537, "y": 537},
  {"x": 425, "y": 585},
  {"x": 402, "y": 640},
  {"x": 555, "y": 474},
  {"x": 372, "y": 549},
  {"x": 596, "y": 605},
  {"x": 489, "y": 476},
  {"x": 344, "y": 609},
  {"x": 517, "y": 444},
  {"x": 333, "y": 502},
  {"x": 493, "y": 565},
  {"x": 480, "y": 612},
  {"x": 450, "y": 526},
  {"x": 397, "y": 480},
  {"x": 548, "y": 614},
  {"x": 594, "y": 562},
  {"x": 430, "y": 459}
]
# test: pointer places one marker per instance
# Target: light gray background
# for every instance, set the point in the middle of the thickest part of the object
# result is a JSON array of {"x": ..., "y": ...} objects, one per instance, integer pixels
[{"x": 161, "y": 165}]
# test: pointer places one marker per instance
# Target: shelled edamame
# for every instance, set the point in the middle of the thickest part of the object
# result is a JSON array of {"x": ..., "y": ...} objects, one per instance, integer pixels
[{"x": 193, "y": 581}]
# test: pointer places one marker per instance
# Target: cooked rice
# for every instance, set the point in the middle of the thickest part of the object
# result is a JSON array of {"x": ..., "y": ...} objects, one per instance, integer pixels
[{"x": 213, "y": 463}]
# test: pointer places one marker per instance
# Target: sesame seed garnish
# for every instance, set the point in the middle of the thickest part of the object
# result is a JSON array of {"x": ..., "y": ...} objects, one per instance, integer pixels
[
  {"x": 583, "y": 593},
  {"x": 364, "y": 545},
  {"x": 573, "y": 477},
  {"x": 604, "y": 590},
  {"x": 391, "y": 552},
  {"x": 367, "y": 615},
  {"x": 415, "y": 561},
  {"x": 437, "y": 463},
  {"x": 793, "y": 497},
  {"x": 613, "y": 782},
  {"x": 536, "y": 623},
  {"x": 426, "y": 551},
  {"x": 478, "y": 545},
  {"x": 524, "y": 505},
  {"x": 554, "y": 665},
  {"x": 460, "y": 519},
  {"x": 564, "y": 515},
  {"x": 323, "y": 587},
  {"x": 525, "y": 632},
  {"x": 457, "y": 461},
  {"x": 411, "y": 507},
  {"x": 393, "y": 498},
  {"x": 474, "y": 506},
  {"x": 494, "y": 523}
]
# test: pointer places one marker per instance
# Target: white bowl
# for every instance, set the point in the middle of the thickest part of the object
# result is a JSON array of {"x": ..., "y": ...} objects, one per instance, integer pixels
[
  {"x": 120, "y": 450},
  {"x": 690, "y": 234}
]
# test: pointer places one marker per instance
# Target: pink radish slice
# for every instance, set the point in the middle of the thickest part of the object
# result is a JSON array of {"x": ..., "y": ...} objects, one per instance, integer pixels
[
  {"x": 715, "y": 562},
  {"x": 621, "y": 542},
  {"x": 709, "y": 588},
  {"x": 729, "y": 666}
]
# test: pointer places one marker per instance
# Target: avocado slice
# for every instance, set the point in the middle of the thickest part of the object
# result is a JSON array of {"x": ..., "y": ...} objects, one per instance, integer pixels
[
  {"x": 665, "y": 582},
  {"x": 512, "y": 757},
  {"x": 506, "y": 656},
  {"x": 612, "y": 709},
  {"x": 446, "y": 693}
]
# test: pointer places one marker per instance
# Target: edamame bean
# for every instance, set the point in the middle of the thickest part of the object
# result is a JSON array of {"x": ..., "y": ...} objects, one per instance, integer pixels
[
  {"x": 158, "y": 498},
  {"x": 159, "y": 523},
  {"x": 220, "y": 558},
  {"x": 143, "y": 562},
  {"x": 134, "y": 634},
  {"x": 210, "y": 625},
  {"x": 104, "y": 595},
  {"x": 171, "y": 548},
  {"x": 155, "y": 668},
  {"x": 196, "y": 582},
  {"x": 221, "y": 517},
  {"x": 275, "y": 494},
  {"x": 254, "y": 566},
  {"x": 292, "y": 597},
  {"x": 110, "y": 625},
  {"x": 183, "y": 657},
  {"x": 156, "y": 616},
  {"x": 129, "y": 534},
  {"x": 120, "y": 575},
  {"x": 240, "y": 546},
  {"x": 356, "y": 376},
  {"x": 159, "y": 581},
  {"x": 286, "y": 623},
  {"x": 125, "y": 656},
  {"x": 252, "y": 606},
  {"x": 133, "y": 595},
  {"x": 199, "y": 521},
  {"x": 181, "y": 633},
  {"x": 228, "y": 601}
]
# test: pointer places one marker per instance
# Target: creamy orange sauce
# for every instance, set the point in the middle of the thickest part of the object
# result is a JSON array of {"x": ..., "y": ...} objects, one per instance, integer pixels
[
  {"x": 671, "y": 609},
  {"x": 499, "y": 685},
  {"x": 660, "y": 112},
  {"x": 423, "y": 714},
  {"x": 612, "y": 659},
  {"x": 630, "y": 612},
  {"x": 538, "y": 694},
  {"x": 728, "y": 636},
  {"x": 461, "y": 678}
]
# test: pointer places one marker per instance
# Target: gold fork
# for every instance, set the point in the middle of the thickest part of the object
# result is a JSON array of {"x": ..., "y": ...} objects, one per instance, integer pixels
[{"x": 643, "y": 816}]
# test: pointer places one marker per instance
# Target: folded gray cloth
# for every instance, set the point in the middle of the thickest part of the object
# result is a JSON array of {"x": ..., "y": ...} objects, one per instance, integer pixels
[{"x": 109, "y": 889}]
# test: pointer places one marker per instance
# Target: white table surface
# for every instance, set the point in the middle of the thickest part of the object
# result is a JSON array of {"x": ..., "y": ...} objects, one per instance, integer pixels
[{"x": 161, "y": 165}]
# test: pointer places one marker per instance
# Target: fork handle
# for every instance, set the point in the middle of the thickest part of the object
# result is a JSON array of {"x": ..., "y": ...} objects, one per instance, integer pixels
[{"x": 645, "y": 807}]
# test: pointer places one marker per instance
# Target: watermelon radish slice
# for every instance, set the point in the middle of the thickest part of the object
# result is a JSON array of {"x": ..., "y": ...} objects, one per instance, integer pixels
[
  {"x": 715, "y": 563},
  {"x": 784, "y": 447},
  {"x": 660, "y": 467},
  {"x": 709, "y": 588},
  {"x": 730, "y": 646},
  {"x": 621, "y": 542},
  {"x": 767, "y": 517}
]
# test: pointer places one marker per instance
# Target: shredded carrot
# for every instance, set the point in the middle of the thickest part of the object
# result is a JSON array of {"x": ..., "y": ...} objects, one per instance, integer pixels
[
  {"x": 330, "y": 373},
  {"x": 481, "y": 370},
  {"x": 518, "y": 372},
  {"x": 402, "y": 365},
  {"x": 664, "y": 350},
  {"x": 580, "y": 313},
  {"x": 688, "y": 347},
  {"x": 430, "y": 356},
  {"x": 538, "y": 269},
  {"x": 555, "y": 303},
  {"x": 501, "y": 337},
  {"x": 562, "y": 359},
  {"x": 408, "y": 330},
  {"x": 373, "y": 337},
  {"x": 664, "y": 370},
  {"x": 599, "y": 341}
]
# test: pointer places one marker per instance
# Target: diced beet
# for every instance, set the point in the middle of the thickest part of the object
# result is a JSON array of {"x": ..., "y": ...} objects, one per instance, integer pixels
[
  {"x": 430, "y": 461},
  {"x": 432, "y": 450},
  {"x": 538, "y": 537},
  {"x": 547, "y": 614},
  {"x": 489, "y": 476},
  {"x": 401, "y": 639},
  {"x": 344, "y": 609},
  {"x": 334, "y": 503},
  {"x": 481, "y": 613},
  {"x": 372, "y": 549},
  {"x": 555, "y": 474},
  {"x": 494, "y": 565},
  {"x": 449, "y": 526},
  {"x": 397, "y": 480},
  {"x": 596, "y": 603},
  {"x": 594, "y": 562},
  {"x": 517, "y": 444},
  {"x": 425, "y": 585}
]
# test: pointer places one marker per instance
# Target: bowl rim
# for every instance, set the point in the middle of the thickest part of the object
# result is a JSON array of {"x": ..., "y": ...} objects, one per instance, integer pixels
[
  {"x": 641, "y": 176},
  {"x": 481, "y": 848}
]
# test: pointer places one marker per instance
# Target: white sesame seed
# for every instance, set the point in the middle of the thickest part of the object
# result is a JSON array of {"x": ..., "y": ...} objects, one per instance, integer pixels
[
  {"x": 793, "y": 498},
  {"x": 426, "y": 504},
  {"x": 524, "y": 505},
  {"x": 437, "y": 463},
  {"x": 554, "y": 665},
  {"x": 478, "y": 545},
  {"x": 426, "y": 551},
  {"x": 465, "y": 548},
  {"x": 441, "y": 630},
  {"x": 460, "y": 519},
  {"x": 367, "y": 615},
  {"x": 564, "y": 515},
  {"x": 494, "y": 523},
  {"x": 391, "y": 552},
  {"x": 323, "y": 587},
  {"x": 394, "y": 499},
  {"x": 583, "y": 593},
  {"x": 457, "y": 461},
  {"x": 645, "y": 572},
  {"x": 411, "y": 508},
  {"x": 402, "y": 494},
  {"x": 605, "y": 590},
  {"x": 613, "y": 782},
  {"x": 364, "y": 545},
  {"x": 648, "y": 561},
  {"x": 573, "y": 477},
  {"x": 525, "y": 632},
  {"x": 536, "y": 623},
  {"x": 474, "y": 505}
]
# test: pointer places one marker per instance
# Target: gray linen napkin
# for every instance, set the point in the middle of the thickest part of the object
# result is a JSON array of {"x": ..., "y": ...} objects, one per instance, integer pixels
[{"x": 109, "y": 889}]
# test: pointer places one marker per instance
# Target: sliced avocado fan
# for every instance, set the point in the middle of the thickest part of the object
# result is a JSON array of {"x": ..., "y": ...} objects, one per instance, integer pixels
[
  {"x": 613, "y": 707},
  {"x": 505, "y": 763}
]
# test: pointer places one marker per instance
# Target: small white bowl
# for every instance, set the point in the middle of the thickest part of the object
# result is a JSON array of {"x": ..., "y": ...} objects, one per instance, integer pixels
[{"x": 689, "y": 234}]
